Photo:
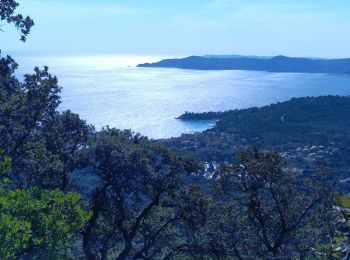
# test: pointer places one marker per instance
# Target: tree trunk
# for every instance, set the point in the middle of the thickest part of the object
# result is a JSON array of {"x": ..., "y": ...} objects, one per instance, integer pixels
[
  {"x": 124, "y": 254},
  {"x": 89, "y": 254}
]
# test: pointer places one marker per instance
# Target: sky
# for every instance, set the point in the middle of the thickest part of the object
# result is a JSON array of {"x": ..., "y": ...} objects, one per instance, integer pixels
[{"x": 299, "y": 28}]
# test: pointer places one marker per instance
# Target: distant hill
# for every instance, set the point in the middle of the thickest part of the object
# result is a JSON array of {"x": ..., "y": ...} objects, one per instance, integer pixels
[
  {"x": 307, "y": 119},
  {"x": 308, "y": 132},
  {"x": 272, "y": 64},
  {"x": 233, "y": 56}
]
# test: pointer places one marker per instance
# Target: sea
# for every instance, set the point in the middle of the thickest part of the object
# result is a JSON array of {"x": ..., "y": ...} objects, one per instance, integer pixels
[{"x": 112, "y": 91}]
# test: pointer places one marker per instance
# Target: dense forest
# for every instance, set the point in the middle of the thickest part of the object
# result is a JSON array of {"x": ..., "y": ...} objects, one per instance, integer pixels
[
  {"x": 271, "y": 64},
  {"x": 309, "y": 132},
  {"x": 310, "y": 120},
  {"x": 68, "y": 191}
]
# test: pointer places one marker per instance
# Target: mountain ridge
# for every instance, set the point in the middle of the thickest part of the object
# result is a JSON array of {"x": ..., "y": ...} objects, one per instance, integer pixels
[{"x": 273, "y": 64}]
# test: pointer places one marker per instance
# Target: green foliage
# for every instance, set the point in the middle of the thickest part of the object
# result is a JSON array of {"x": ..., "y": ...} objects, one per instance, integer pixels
[
  {"x": 24, "y": 107},
  {"x": 42, "y": 142},
  {"x": 292, "y": 128},
  {"x": 37, "y": 222},
  {"x": 15, "y": 236},
  {"x": 33, "y": 222},
  {"x": 281, "y": 215},
  {"x": 65, "y": 135},
  {"x": 337, "y": 244},
  {"x": 310, "y": 120},
  {"x": 5, "y": 162},
  {"x": 342, "y": 201},
  {"x": 143, "y": 203},
  {"x": 137, "y": 208},
  {"x": 7, "y": 13}
]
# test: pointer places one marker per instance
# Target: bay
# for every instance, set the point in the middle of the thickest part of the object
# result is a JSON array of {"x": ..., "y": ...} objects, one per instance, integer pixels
[{"x": 111, "y": 90}]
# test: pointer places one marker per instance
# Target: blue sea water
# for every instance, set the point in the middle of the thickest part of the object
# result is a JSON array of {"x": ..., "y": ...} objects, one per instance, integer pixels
[{"x": 113, "y": 91}]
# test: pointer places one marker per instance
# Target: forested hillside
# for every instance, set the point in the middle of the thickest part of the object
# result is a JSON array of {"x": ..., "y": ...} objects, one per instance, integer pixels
[
  {"x": 310, "y": 132},
  {"x": 68, "y": 191},
  {"x": 273, "y": 64}
]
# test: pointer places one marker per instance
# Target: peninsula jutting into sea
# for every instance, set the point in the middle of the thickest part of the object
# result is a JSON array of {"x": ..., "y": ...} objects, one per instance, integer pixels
[
  {"x": 271, "y": 64},
  {"x": 223, "y": 157}
]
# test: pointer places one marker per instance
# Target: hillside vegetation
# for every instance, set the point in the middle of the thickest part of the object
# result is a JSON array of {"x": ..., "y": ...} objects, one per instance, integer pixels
[
  {"x": 309, "y": 132},
  {"x": 273, "y": 64},
  {"x": 68, "y": 191}
]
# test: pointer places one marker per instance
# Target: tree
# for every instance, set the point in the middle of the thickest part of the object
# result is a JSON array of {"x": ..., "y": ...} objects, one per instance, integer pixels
[
  {"x": 25, "y": 108},
  {"x": 65, "y": 135},
  {"x": 34, "y": 133},
  {"x": 39, "y": 223},
  {"x": 7, "y": 13},
  {"x": 135, "y": 209},
  {"x": 36, "y": 222},
  {"x": 142, "y": 204},
  {"x": 277, "y": 213}
]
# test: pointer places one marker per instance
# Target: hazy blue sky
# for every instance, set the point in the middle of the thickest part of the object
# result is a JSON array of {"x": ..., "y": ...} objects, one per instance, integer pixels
[{"x": 319, "y": 28}]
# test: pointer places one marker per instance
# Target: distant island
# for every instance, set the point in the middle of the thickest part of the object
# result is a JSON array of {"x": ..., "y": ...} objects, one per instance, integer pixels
[{"x": 270, "y": 64}]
